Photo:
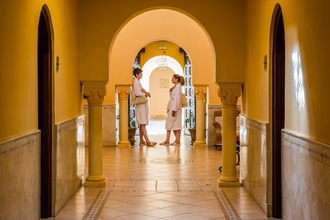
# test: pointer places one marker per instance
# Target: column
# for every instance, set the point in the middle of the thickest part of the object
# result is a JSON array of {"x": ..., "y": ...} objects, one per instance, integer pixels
[
  {"x": 123, "y": 92},
  {"x": 200, "y": 93},
  {"x": 95, "y": 92},
  {"x": 229, "y": 92}
]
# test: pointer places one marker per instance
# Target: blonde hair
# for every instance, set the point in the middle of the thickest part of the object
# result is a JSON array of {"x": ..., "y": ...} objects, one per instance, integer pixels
[{"x": 179, "y": 78}]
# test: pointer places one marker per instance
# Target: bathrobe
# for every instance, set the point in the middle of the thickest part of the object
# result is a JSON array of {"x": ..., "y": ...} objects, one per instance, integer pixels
[
  {"x": 174, "y": 104},
  {"x": 142, "y": 110}
]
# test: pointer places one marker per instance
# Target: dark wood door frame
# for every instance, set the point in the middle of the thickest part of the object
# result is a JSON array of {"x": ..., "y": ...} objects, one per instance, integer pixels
[
  {"x": 278, "y": 83},
  {"x": 45, "y": 110}
]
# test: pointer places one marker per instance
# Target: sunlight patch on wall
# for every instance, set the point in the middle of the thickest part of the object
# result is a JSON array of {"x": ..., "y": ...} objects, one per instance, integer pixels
[{"x": 298, "y": 79}]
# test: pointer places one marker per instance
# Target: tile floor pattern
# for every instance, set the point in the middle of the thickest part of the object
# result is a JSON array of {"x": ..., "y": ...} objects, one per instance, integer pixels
[{"x": 161, "y": 182}]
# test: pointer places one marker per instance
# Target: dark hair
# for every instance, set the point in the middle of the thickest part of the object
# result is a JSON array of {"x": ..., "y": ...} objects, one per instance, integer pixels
[
  {"x": 179, "y": 78},
  {"x": 137, "y": 71}
]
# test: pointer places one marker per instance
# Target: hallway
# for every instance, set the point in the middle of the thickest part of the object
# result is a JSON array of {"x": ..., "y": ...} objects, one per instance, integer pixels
[{"x": 161, "y": 182}]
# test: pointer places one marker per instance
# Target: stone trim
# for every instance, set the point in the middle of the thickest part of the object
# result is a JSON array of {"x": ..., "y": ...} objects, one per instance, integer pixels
[
  {"x": 70, "y": 124},
  {"x": 307, "y": 146},
  {"x": 257, "y": 126},
  {"x": 19, "y": 144}
]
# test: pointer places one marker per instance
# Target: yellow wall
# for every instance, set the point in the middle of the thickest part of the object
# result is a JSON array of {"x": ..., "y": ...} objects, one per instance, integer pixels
[
  {"x": 18, "y": 77},
  {"x": 18, "y": 68},
  {"x": 302, "y": 36},
  {"x": 216, "y": 55},
  {"x": 234, "y": 53},
  {"x": 68, "y": 96},
  {"x": 171, "y": 50},
  {"x": 256, "y": 95}
]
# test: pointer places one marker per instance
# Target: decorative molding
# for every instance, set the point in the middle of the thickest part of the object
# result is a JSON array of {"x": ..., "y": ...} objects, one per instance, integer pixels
[
  {"x": 229, "y": 93},
  {"x": 257, "y": 126},
  {"x": 109, "y": 106},
  {"x": 96, "y": 208},
  {"x": 307, "y": 146},
  {"x": 226, "y": 206},
  {"x": 104, "y": 106},
  {"x": 215, "y": 107},
  {"x": 19, "y": 144},
  {"x": 200, "y": 92},
  {"x": 123, "y": 91},
  {"x": 94, "y": 92},
  {"x": 70, "y": 124}
]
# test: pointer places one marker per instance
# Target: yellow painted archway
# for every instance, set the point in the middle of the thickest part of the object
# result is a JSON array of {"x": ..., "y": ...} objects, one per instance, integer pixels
[{"x": 155, "y": 25}]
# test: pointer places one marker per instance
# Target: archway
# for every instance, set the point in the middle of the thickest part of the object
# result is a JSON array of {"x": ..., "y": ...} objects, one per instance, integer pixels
[
  {"x": 45, "y": 109},
  {"x": 277, "y": 106},
  {"x": 174, "y": 28}
]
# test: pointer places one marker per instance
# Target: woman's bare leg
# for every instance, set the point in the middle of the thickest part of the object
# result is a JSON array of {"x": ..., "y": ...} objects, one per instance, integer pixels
[
  {"x": 142, "y": 141},
  {"x": 177, "y": 134},
  {"x": 167, "y": 140},
  {"x": 144, "y": 134},
  {"x": 168, "y": 135}
]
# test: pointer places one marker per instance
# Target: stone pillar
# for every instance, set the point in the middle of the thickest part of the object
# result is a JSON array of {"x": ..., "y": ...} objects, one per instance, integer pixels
[
  {"x": 200, "y": 93},
  {"x": 229, "y": 92},
  {"x": 95, "y": 92},
  {"x": 123, "y": 92}
]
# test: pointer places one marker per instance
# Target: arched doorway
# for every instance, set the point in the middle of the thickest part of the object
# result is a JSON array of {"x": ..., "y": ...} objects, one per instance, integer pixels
[
  {"x": 159, "y": 60},
  {"x": 277, "y": 106},
  {"x": 45, "y": 109},
  {"x": 201, "y": 55}
]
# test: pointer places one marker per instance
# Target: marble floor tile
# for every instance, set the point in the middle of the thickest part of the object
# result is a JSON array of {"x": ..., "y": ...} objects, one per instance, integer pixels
[{"x": 161, "y": 182}]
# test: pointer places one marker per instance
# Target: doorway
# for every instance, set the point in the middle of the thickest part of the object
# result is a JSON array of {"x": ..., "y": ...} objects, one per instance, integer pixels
[
  {"x": 45, "y": 109},
  {"x": 278, "y": 102}
]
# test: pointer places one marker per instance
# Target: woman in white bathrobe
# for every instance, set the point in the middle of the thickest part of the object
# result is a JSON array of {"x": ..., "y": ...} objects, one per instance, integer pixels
[
  {"x": 174, "y": 111},
  {"x": 142, "y": 110}
]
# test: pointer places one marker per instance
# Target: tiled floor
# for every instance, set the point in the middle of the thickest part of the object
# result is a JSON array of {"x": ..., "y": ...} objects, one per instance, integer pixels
[{"x": 161, "y": 183}]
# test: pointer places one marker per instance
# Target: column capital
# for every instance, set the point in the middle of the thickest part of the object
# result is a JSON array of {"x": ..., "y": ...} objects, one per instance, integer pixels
[
  {"x": 94, "y": 91},
  {"x": 200, "y": 91},
  {"x": 229, "y": 93},
  {"x": 123, "y": 91}
]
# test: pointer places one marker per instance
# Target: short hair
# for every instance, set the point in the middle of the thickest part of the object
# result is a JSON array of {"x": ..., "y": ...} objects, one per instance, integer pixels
[{"x": 137, "y": 71}]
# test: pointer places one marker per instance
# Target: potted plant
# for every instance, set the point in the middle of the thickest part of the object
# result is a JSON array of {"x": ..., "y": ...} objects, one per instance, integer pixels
[
  {"x": 132, "y": 130},
  {"x": 190, "y": 123}
]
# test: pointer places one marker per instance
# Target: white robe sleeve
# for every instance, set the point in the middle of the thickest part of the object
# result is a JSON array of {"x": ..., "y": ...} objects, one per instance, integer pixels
[
  {"x": 176, "y": 98},
  {"x": 137, "y": 87}
]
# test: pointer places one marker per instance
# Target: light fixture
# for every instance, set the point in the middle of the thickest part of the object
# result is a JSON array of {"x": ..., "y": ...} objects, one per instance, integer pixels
[
  {"x": 162, "y": 47},
  {"x": 265, "y": 63},
  {"x": 57, "y": 63},
  {"x": 161, "y": 62}
]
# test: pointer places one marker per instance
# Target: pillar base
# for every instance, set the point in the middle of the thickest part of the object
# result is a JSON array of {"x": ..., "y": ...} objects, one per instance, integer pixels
[
  {"x": 199, "y": 144},
  {"x": 95, "y": 181},
  {"x": 95, "y": 184},
  {"x": 123, "y": 144},
  {"x": 228, "y": 183}
]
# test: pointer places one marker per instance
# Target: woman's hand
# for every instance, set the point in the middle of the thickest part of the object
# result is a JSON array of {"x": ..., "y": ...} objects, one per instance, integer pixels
[
  {"x": 147, "y": 94},
  {"x": 173, "y": 113}
]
